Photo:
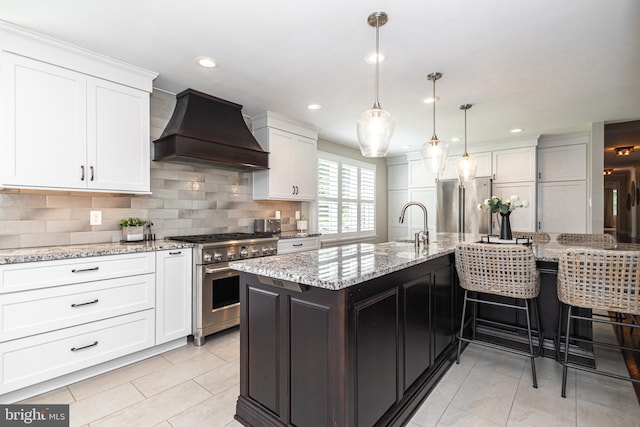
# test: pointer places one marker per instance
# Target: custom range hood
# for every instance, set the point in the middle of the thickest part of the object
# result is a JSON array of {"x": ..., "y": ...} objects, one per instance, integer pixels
[{"x": 208, "y": 130}]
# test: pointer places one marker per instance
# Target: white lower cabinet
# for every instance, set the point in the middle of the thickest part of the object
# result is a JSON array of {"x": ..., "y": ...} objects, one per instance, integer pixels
[
  {"x": 173, "y": 294},
  {"x": 41, "y": 357},
  {"x": 59, "y": 317},
  {"x": 287, "y": 246}
]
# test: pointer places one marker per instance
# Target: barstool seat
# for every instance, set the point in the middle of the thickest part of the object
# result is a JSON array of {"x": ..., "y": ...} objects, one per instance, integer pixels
[
  {"x": 535, "y": 236},
  {"x": 605, "y": 280},
  {"x": 503, "y": 270}
]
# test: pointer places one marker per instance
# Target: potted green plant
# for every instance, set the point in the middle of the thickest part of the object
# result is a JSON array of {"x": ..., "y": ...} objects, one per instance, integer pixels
[{"x": 133, "y": 229}]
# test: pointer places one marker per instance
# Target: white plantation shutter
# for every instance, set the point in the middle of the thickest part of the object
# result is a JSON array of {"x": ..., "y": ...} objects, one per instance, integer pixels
[{"x": 346, "y": 197}]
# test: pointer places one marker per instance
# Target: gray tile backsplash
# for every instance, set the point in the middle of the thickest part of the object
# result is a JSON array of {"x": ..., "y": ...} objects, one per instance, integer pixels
[{"x": 186, "y": 199}]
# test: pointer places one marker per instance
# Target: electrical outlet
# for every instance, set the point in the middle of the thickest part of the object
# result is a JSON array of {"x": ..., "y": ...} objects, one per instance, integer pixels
[
  {"x": 297, "y": 214},
  {"x": 95, "y": 218}
]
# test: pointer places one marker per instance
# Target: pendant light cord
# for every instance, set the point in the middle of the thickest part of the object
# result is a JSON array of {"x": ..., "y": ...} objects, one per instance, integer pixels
[
  {"x": 465, "y": 133},
  {"x": 434, "y": 137},
  {"x": 376, "y": 104}
]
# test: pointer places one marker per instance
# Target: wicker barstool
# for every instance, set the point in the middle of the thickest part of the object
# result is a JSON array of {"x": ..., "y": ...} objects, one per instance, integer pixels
[
  {"x": 608, "y": 240},
  {"x": 606, "y": 280},
  {"x": 504, "y": 270},
  {"x": 535, "y": 236}
]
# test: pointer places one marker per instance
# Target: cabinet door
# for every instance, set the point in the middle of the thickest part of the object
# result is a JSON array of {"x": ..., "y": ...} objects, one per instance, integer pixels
[
  {"x": 303, "y": 168},
  {"x": 566, "y": 163},
  {"x": 418, "y": 175},
  {"x": 118, "y": 137},
  {"x": 396, "y": 200},
  {"x": 563, "y": 207},
  {"x": 44, "y": 131},
  {"x": 515, "y": 165},
  {"x": 397, "y": 178},
  {"x": 522, "y": 219},
  {"x": 173, "y": 294},
  {"x": 280, "y": 164},
  {"x": 443, "y": 311},
  {"x": 428, "y": 197}
]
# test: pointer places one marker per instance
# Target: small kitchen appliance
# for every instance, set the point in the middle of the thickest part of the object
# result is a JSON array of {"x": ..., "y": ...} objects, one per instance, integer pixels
[{"x": 267, "y": 225}]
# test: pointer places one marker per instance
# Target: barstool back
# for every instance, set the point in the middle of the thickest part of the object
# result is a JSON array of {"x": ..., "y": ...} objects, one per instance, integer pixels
[
  {"x": 600, "y": 279},
  {"x": 608, "y": 240},
  {"x": 507, "y": 270},
  {"x": 536, "y": 236}
]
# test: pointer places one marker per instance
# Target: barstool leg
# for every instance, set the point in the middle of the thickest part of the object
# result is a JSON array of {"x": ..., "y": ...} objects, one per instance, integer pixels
[
  {"x": 566, "y": 353},
  {"x": 558, "y": 338},
  {"x": 532, "y": 354},
  {"x": 474, "y": 310},
  {"x": 464, "y": 309},
  {"x": 539, "y": 325}
]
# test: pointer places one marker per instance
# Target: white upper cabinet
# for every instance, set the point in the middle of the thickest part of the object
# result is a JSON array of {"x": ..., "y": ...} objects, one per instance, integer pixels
[
  {"x": 293, "y": 159},
  {"x": 418, "y": 175},
  {"x": 514, "y": 165},
  {"x": 562, "y": 163},
  {"x": 63, "y": 126},
  {"x": 118, "y": 137}
]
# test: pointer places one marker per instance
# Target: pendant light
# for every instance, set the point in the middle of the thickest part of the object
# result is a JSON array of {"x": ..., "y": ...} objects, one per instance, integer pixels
[
  {"x": 375, "y": 126},
  {"x": 466, "y": 165},
  {"x": 435, "y": 151}
]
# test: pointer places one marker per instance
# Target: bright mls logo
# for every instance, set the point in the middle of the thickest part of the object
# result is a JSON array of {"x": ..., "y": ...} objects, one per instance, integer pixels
[{"x": 34, "y": 415}]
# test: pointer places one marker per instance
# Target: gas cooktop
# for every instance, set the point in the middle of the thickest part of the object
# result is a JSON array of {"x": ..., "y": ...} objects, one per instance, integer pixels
[{"x": 221, "y": 237}]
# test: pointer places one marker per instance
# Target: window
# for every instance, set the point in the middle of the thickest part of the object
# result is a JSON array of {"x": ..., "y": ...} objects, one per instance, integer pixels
[{"x": 346, "y": 197}]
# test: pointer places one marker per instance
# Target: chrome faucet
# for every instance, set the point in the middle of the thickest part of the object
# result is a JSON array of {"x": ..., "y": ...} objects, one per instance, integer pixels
[{"x": 425, "y": 232}]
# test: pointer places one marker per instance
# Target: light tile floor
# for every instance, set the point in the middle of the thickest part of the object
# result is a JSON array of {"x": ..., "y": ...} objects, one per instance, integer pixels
[{"x": 198, "y": 386}]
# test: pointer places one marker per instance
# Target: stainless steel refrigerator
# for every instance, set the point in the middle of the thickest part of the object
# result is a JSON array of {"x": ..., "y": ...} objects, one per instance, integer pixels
[{"x": 458, "y": 206}]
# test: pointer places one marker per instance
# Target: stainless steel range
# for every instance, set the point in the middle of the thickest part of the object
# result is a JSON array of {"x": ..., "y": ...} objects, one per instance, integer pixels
[{"x": 216, "y": 295}]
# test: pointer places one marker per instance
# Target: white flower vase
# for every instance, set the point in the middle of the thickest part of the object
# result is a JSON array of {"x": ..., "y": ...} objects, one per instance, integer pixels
[{"x": 302, "y": 225}]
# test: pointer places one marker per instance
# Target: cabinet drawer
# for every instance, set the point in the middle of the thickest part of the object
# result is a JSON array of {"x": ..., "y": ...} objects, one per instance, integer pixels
[
  {"x": 34, "y": 275},
  {"x": 41, "y": 357},
  {"x": 43, "y": 310},
  {"x": 298, "y": 245}
]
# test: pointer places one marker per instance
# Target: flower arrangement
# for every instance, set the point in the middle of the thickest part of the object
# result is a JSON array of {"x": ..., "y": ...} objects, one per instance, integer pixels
[{"x": 497, "y": 205}]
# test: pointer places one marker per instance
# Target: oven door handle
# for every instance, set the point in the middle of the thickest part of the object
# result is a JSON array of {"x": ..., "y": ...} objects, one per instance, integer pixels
[{"x": 208, "y": 270}]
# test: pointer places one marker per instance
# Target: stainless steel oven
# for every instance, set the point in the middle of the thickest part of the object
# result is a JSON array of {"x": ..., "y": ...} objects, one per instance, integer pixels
[{"x": 216, "y": 293}]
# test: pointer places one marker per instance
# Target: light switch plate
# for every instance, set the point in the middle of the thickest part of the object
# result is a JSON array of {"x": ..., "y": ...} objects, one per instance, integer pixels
[{"x": 95, "y": 218}]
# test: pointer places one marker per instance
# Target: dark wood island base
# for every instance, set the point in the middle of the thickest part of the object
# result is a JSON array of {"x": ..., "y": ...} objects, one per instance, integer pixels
[{"x": 365, "y": 355}]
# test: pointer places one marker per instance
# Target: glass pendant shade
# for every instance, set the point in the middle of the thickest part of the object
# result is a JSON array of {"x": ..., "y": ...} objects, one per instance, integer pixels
[
  {"x": 434, "y": 155},
  {"x": 375, "y": 126},
  {"x": 435, "y": 151},
  {"x": 466, "y": 167},
  {"x": 375, "y": 129}
]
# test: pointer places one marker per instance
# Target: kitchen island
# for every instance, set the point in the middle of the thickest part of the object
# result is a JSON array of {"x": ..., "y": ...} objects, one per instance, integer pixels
[{"x": 354, "y": 335}]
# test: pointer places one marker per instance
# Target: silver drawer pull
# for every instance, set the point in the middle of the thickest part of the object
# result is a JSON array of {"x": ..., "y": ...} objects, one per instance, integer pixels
[
  {"x": 80, "y": 270},
  {"x": 85, "y": 303},
  {"x": 95, "y": 343},
  {"x": 175, "y": 253},
  {"x": 297, "y": 244}
]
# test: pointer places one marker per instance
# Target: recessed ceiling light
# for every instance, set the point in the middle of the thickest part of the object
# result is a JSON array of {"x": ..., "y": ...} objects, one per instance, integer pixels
[
  {"x": 371, "y": 57},
  {"x": 516, "y": 130},
  {"x": 456, "y": 139},
  {"x": 207, "y": 62},
  {"x": 407, "y": 146},
  {"x": 314, "y": 106},
  {"x": 429, "y": 100}
]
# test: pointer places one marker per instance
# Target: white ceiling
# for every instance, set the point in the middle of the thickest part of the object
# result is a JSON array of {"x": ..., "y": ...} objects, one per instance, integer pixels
[{"x": 546, "y": 66}]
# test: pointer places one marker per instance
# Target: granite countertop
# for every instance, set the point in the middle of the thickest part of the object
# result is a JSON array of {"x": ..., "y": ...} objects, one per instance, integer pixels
[
  {"x": 343, "y": 266},
  {"x": 295, "y": 235},
  {"x": 51, "y": 253}
]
